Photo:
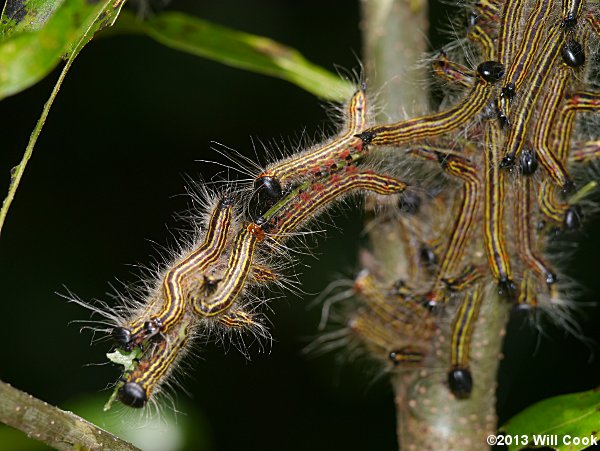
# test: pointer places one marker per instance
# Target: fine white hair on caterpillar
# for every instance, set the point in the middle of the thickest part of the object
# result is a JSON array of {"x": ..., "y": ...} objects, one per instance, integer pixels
[
  {"x": 476, "y": 192},
  {"x": 212, "y": 286}
]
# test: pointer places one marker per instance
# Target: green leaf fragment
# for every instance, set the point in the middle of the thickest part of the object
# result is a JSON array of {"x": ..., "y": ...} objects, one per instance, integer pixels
[
  {"x": 127, "y": 359},
  {"x": 26, "y": 15},
  {"x": 238, "y": 49},
  {"x": 28, "y": 56},
  {"x": 574, "y": 420}
]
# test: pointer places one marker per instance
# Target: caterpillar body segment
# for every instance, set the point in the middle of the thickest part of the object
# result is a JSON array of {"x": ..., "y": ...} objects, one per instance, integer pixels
[
  {"x": 508, "y": 34},
  {"x": 277, "y": 179},
  {"x": 498, "y": 258},
  {"x": 470, "y": 275},
  {"x": 455, "y": 73},
  {"x": 550, "y": 204},
  {"x": 488, "y": 11},
  {"x": 307, "y": 201},
  {"x": 174, "y": 297},
  {"x": 518, "y": 63},
  {"x": 153, "y": 367},
  {"x": 521, "y": 118},
  {"x": 431, "y": 125},
  {"x": 395, "y": 328},
  {"x": 485, "y": 40},
  {"x": 234, "y": 279},
  {"x": 468, "y": 211},
  {"x": 594, "y": 21},
  {"x": 546, "y": 137},
  {"x": 527, "y": 292},
  {"x": 239, "y": 319},
  {"x": 565, "y": 121},
  {"x": 585, "y": 152},
  {"x": 526, "y": 246},
  {"x": 408, "y": 356},
  {"x": 460, "y": 379}
]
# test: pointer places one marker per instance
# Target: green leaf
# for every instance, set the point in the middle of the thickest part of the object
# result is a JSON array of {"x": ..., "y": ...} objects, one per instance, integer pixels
[
  {"x": 238, "y": 49},
  {"x": 19, "y": 58},
  {"x": 28, "y": 56},
  {"x": 567, "y": 417},
  {"x": 26, "y": 15}
]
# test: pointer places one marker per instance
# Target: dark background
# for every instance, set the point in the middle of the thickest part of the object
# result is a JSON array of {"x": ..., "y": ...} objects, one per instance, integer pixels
[{"x": 105, "y": 179}]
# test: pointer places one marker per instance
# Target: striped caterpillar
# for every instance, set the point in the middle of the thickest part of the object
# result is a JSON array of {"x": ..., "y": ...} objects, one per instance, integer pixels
[
  {"x": 507, "y": 138},
  {"x": 207, "y": 286},
  {"x": 508, "y": 170}
]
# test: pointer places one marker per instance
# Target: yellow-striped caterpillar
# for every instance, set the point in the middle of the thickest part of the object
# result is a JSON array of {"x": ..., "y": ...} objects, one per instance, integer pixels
[
  {"x": 206, "y": 286},
  {"x": 488, "y": 144},
  {"x": 460, "y": 380}
]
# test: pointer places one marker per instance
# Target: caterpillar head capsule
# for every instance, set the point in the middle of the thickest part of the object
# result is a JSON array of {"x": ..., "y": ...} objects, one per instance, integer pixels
[
  {"x": 133, "y": 395},
  {"x": 269, "y": 187},
  {"x": 573, "y": 218},
  {"x": 508, "y": 91},
  {"x": 528, "y": 162},
  {"x": 267, "y": 192},
  {"x": 573, "y": 54},
  {"x": 122, "y": 336},
  {"x": 491, "y": 71},
  {"x": 507, "y": 289},
  {"x": 460, "y": 382}
]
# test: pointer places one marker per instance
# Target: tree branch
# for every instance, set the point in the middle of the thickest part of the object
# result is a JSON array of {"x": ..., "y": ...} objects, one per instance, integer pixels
[
  {"x": 53, "y": 426},
  {"x": 429, "y": 417}
]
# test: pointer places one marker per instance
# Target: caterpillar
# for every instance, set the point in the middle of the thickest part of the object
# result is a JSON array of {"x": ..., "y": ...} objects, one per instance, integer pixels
[
  {"x": 271, "y": 184},
  {"x": 460, "y": 379},
  {"x": 533, "y": 66},
  {"x": 206, "y": 287},
  {"x": 505, "y": 172}
]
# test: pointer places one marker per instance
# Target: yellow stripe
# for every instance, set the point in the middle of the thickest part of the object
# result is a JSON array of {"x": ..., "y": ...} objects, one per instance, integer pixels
[
  {"x": 548, "y": 56},
  {"x": 527, "y": 293},
  {"x": 571, "y": 10},
  {"x": 524, "y": 227},
  {"x": 530, "y": 41},
  {"x": 311, "y": 161},
  {"x": 478, "y": 35},
  {"x": 582, "y": 101},
  {"x": 468, "y": 210},
  {"x": 238, "y": 320},
  {"x": 518, "y": 65},
  {"x": 466, "y": 278},
  {"x": 550, "y": 205},
  {"x": 508, "y": 36},
  {"x": 234, "y": 279},
  {"x": 174, "y": 283},
  {"x": 585, "y": 152},
  {"x": 462, "y": 329},
  {"x": 158, "y": 361},
  {"x": 494, "y": 205},
  {"x": 453, "y": 72},
  {"x": 434, "y": 124},
  {"x": 307, "y": 203},
  {"x": 549, "y": 157}
]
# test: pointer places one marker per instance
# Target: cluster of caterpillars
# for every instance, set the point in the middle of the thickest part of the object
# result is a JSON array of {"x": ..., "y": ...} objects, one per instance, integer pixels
[
  {"x": 508, "y": 144},
  {"x": 506, "y": 147},
  {"x": 209, "y": 285}
]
